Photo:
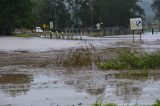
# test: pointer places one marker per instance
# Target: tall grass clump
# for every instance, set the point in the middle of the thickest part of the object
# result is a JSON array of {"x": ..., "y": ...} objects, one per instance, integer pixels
[
  {"x": 133, "y": 60},
  {"x": 80, "y": 57}
]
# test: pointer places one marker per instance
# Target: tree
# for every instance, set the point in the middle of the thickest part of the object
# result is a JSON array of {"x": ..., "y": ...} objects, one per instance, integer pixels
[
  {"x": 52, "y": 10},
  {"x": 156, "y": 8},
  {"x": 118, "y": 12},
  {"x": 89, "y": 12},
  {"x": 37, "y": 9},
  {"x": 15, "y": 14},
  {"x": 74, "y": 10},
  {"x": 85, "y": 14}
]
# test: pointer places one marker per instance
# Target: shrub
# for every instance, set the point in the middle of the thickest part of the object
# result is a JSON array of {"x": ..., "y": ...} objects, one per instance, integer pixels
[
  {"x": 133, "y": 60},
  {"x": 157, "y": 103}
]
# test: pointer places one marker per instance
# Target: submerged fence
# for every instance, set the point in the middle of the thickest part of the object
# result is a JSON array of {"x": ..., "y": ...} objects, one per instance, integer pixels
[
  {"x": 103, "y": 31},
  {"x": 108, "y": 31}
]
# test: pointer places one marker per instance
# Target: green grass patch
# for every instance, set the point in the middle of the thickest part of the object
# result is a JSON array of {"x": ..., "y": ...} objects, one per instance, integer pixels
[
  {"x": 23, "y": 35},
  {"x": 157, "y": 103},
  {"x": 108, "y": 104},
  {"x": 133, "y": 60}
]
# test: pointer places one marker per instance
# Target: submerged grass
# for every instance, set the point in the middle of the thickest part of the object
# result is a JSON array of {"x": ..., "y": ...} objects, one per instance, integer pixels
[
  {"x": 23, "y": 35},
  {"x": 157, "y": 103},
  {"x": 14, "y": 78},
  {"x": 134, "y": 75},
  {"x": 133, "y": 60},
  {"x": 107, "y": 104},
  {"x": 99, "y": 102}
]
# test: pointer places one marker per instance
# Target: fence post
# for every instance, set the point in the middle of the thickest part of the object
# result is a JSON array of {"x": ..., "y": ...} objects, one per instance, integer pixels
[{"x": 152, "y": 31}]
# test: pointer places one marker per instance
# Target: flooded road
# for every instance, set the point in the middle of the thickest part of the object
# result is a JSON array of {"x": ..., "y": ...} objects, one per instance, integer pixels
[
  {"x": 149, "y": 43},
  {"x": 26, "y": 81}
]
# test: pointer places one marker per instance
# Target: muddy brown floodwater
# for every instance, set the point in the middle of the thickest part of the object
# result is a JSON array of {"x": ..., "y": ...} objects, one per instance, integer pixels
[{"x": 30, "y": 77}]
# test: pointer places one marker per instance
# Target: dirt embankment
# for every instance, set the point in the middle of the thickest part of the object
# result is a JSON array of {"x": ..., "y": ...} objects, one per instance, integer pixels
[
  {"x": 27, "y": 58},
  {"x": 51, "y": 58}
]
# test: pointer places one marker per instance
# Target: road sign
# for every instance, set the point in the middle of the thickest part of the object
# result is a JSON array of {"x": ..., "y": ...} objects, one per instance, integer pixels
[
  {"x": 98, "y": 25},
  {"x": 136, "y": 23},
  {"x": 44, "y": 26},
  {"x": 51, "y": 25}
]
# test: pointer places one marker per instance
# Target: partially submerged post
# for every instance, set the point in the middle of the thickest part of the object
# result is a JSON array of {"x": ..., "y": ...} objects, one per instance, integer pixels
[
  {"x": 152, "y": 31},
  {"x": 133, "y": 35},
  {"x": 136, "y": 24},
  {"x": 51, "y": 28},
  {"x": 44, "y": 27}
]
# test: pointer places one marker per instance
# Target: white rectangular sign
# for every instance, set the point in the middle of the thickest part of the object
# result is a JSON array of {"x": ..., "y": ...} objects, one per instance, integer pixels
[
  {"x": 136, "y": 23},
  {"x": 51, "y": 25}
]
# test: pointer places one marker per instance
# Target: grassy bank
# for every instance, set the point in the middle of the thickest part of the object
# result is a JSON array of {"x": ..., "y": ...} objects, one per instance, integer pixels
[{"x": 133, "y": 61}]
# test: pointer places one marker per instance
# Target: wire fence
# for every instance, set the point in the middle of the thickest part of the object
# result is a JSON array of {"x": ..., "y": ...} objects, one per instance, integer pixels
[{"x": 108, "y": 31}]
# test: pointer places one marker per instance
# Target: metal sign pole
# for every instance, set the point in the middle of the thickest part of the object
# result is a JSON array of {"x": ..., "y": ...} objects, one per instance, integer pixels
[
  {"x": 140, "y": 37},
  {"x": 133, "y": 36},
  {"x": 136, "y": 24}
]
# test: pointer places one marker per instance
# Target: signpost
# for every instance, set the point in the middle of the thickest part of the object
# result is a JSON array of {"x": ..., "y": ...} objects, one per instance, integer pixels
[
  {"x": 44, "y": 26},
  {"x": 98, "y": 25},
  {"x": 136, "y": 24}
]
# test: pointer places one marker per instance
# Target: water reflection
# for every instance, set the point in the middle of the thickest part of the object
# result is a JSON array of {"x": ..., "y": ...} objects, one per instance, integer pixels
[
  {"x": 93, "y": 85},
  {"x": 95, "y": 91},
  {"x": 15, "y": 84},
  {"x": 83, "y": 86},
  {"x": 124, "y": 90},
  {"x": 128, "y": 90}
]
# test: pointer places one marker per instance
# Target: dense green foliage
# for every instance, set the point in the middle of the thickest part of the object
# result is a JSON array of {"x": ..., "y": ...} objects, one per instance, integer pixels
[
  {"x": 87, "y": 13},
  {"x": 15, "y": 14},
  {"x": 110, "y": 12},
  {"x": 156, "y": 8},
  {"x": 116, "y": 12},
  {"x": 128, "y": 60},
  {"x": 66, "y": 13},
  {"x": 46, "y": 11},
  {"x": 157, "y": 103}
]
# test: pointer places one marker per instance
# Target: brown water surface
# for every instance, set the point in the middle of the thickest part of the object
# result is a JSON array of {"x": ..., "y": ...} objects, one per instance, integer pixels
[{"x": 29, "y": 75}]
